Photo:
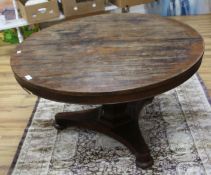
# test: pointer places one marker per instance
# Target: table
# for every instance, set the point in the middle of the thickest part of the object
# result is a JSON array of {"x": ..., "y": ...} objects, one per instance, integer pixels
[{"x": 120, "y": 61}]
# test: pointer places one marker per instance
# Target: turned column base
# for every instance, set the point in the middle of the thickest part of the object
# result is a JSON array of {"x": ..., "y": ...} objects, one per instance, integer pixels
[{"x": 119, "y": 121}]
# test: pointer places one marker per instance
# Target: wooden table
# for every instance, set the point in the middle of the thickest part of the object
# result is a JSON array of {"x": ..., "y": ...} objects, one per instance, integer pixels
[{"x": 118, "y": 60}]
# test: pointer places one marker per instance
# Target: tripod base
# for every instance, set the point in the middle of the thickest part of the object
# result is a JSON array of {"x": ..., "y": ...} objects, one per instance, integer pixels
[{"x": 119, "y": 121}]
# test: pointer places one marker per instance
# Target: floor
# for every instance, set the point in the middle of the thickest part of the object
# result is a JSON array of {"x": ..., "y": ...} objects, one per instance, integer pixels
[{"x": 16, "y": 104}]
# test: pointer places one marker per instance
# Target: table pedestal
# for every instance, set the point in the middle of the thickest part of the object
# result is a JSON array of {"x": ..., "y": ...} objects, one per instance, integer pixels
[{"x": 119, "y": 121}]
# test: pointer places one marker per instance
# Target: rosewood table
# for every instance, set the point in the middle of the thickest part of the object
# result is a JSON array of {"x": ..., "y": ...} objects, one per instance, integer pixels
[{"x": 120, "y": 61}]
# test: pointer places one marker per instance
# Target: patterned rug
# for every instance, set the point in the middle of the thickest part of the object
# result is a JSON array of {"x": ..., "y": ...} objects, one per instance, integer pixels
[{"x": 176, "y": 126}]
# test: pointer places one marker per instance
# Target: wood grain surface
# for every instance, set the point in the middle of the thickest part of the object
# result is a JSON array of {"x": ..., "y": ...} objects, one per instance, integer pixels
[{"x": 108, "y": 58}]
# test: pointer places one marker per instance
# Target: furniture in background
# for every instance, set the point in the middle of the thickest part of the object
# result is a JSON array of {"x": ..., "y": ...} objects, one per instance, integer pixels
[
  {"x": 39, "y": 11},
  {"x": 76, "y": 8},
  {"x": 125, "y": 4},
  {"x": 100, "y": 61}
]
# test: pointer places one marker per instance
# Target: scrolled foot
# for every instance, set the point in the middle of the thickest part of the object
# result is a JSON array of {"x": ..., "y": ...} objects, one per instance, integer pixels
[
  {"x": 58, "y": 126},
  {"x": 144, "y": 161}
]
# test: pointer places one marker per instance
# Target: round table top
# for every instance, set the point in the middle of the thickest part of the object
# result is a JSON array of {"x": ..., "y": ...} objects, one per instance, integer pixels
[{"x": 110, "y": 58}]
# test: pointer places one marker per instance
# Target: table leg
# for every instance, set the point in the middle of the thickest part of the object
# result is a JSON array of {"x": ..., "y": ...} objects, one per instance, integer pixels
[
  {"x": 119, "y": 121},
  {"x": 126, "y": 9}
]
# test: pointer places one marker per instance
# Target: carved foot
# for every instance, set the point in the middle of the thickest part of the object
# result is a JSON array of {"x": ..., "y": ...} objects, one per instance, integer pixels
[
  {"x": 58, "y": 126},
  {"x": 144, "y": 161}
]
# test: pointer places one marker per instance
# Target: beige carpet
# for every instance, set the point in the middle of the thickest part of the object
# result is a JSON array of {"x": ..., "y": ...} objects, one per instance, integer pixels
[{"x": 176, "y": 126}]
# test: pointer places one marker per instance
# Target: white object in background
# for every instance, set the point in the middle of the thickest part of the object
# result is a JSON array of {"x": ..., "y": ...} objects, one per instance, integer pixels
[
  {"x": 33, "y": 2},
  {"x": 111, "y": 7},
  {"x": 20, "y": 37},
  {"x": 2, "y": 19},
  {"x": 14, "y": 23}
]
